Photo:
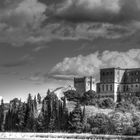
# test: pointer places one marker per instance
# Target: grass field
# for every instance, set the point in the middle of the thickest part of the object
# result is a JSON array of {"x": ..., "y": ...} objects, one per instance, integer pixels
[{"x": 62, "y": 136}]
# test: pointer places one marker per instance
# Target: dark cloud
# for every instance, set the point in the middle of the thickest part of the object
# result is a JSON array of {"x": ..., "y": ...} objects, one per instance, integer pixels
[
  {"x": 100, "y": 10},
  {"x": 19, "y": 20},
  {"x": 37, "y": 21}
]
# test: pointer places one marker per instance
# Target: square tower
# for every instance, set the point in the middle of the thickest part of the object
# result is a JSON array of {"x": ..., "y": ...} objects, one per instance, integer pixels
[{"x": 84, "y": 84}]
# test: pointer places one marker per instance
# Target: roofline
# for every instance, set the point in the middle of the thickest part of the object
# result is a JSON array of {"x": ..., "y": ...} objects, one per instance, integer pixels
[{"x": 121, "y": 68}]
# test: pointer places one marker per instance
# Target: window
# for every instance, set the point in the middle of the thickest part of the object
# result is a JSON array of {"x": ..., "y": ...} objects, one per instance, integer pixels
[
  {"x": 123, "y": 88},
  {"x": 103, "y": 87},
  {"x": 98, "y": 89},
  {"x": 136, "y": 85},
  {"x": 127, "y": 88},
  {"x": 111, "y": 88},
  {"x": 106, "y": 87},
  {"x": 118, "y": 89}
]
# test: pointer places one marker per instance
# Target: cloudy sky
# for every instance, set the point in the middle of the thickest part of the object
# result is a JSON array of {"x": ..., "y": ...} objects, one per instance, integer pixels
[{"x": 45, "y": 43}]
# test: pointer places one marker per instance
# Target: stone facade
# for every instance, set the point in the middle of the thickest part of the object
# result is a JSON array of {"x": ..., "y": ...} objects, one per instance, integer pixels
[
  {"x": 114, "y": 81},
  {"x": 84, "y": 84}
]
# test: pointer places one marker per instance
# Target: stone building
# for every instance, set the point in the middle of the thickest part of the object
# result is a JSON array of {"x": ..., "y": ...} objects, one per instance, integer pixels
[
  {"x": 84, "y": 84},
  {"x": 114, "y": 81}
]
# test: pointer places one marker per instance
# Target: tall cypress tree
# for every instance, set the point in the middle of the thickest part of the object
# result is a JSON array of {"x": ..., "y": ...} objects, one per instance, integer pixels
[
  {"x": 2, "y": 116},
  {"x": 30, "y": 120},
  {"x": 38, "y": 98}
]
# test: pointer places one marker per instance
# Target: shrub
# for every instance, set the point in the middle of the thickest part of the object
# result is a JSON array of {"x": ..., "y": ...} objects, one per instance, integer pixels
[
  {"x": 130, "y": 130},
  {"x": 87, "y": 128},
  {"x": 106, "y": 103},
  {"x": 125, "y": 106},
  {"x": 101, "y": 124},
  {"x": 136, "y": 123},
  {"x": 72, "y": 95},
  {"x": 121, "y": 122},
  {"x": 89, "y": 98},
  {"x": 75, "y": 123}
]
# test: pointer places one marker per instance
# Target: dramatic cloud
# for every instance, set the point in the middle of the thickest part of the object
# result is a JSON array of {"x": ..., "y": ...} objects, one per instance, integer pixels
[
  {"x": 39, "y": 21},
  {"x": 90, "y": 64},
  {"x": 87, "y": 31},
  {"x": 20, "y": 19},
  {"x": 99, "y": 10}
]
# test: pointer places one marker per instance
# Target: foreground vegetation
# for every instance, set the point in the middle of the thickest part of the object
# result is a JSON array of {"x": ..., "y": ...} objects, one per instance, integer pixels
[{"x": 52, "y": 115}]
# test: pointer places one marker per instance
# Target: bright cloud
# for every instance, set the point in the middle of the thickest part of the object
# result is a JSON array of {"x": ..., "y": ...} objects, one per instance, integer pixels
[{"x": 90, "y": 64}]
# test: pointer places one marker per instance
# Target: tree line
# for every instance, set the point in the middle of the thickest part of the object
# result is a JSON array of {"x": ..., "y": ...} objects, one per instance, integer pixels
[
  {"x": 51, "y": 114},
  {"x": 36, "y": 115}
]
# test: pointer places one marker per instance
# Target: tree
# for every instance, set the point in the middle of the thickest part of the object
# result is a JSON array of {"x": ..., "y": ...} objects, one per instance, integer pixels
[
  {"x": 89, "y": 98},
  {"x": 63, "y": 115},
  {"x": 2, "y": 116},
  {"x": 125, "y": 106},
  {"x": 75, "y": 123},
  {"x": 30, "y": 115},
  {"x": 39, "y": 98},
  {"x": 72, "y": 95},
  {"x": 101, "y": 124},
  {"x": 50, "y": 112},
  {"x": 106, "y": 103},
  {"x": 21, "y": 115},
  {"x": 122, "y": 122},
  {"x": 13, "y": 116}
]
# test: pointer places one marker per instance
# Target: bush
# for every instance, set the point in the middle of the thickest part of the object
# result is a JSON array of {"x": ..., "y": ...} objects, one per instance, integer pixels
[
  {"x": 130, "y": 130},
  {"x": 87, "y": 128},
  {"x": 101, "y": 124},
  {"x": 136, "y": 123},
  {"x": 125, "y": 106},
  {"x": 121, "y": 121},
  {"x": 106, "y": 103},
  {"x": 75, "y": 122},
  {"x": 72, "y": 95},
  {"x": 89, "y": 98}
]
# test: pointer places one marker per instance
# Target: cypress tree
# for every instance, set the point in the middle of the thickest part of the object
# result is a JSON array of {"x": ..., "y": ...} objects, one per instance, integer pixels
[
  {"x": 2, "y": 116},
  {"x": 38, "y": 98},
  {"x": 75, "y": 123}
]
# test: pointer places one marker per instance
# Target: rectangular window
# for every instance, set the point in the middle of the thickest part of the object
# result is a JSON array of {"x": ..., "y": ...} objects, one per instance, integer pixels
[
  {"x": 106, "y": 87},
  {"x": 103, "y": 87},
  {"x": 124, "y": 88},
  {"x": 111, "y": 88}
]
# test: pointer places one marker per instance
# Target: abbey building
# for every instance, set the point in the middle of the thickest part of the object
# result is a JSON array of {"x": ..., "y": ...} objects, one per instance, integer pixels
[{"x": 114, "y": 81}]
